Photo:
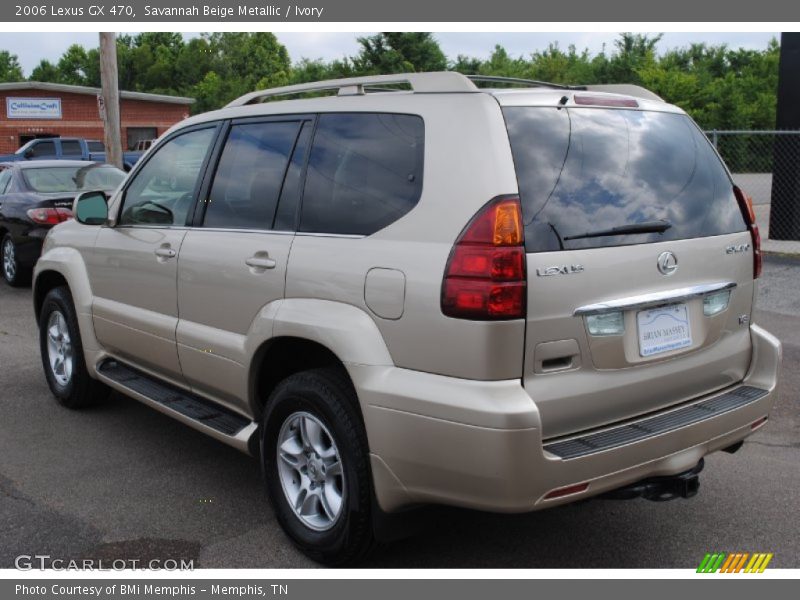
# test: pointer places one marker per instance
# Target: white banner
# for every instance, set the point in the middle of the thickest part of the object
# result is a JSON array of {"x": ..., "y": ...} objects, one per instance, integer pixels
[{"x": 33, "y": 108}]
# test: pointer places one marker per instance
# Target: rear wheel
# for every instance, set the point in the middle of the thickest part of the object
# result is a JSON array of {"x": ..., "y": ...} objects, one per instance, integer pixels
[
  {"x": 315, "y": 461},
  {"x": 14, "y": 274},
  {"x": 62, "y": 353}
]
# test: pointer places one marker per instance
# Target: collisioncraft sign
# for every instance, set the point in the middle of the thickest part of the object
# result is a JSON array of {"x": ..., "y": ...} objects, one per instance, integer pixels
[{"x": 33, "y": 108}]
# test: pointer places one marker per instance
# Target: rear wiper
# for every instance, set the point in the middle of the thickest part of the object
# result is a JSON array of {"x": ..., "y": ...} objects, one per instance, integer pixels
[{"x": 644, "y": 227}]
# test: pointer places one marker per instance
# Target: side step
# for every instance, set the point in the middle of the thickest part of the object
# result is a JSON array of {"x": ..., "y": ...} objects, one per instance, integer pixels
[{"x": 187, "y": 404}]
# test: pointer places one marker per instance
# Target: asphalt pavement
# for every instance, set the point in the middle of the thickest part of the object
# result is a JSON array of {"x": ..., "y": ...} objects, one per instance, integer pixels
[{"x": 122, "y": 481}]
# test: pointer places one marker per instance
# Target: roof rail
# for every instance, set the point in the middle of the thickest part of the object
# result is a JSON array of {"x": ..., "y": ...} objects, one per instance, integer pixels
[
  {"x": 518, "y": 81},
  {"x": 426, "y": 83}
]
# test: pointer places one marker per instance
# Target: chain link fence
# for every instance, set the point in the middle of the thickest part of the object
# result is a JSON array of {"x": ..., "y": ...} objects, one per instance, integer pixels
[{"x": 766, "y": 164}]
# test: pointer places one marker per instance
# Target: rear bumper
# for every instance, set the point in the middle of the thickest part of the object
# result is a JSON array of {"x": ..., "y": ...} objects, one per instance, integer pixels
[{"x": 474, "y": 444}]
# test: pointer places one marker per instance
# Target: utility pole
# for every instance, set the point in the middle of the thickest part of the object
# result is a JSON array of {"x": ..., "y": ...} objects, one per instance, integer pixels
[{"x": 109, "y": 100}]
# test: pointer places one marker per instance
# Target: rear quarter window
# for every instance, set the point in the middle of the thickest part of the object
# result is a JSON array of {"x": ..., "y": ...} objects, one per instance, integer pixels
[
  {"x": 364, "y": 172},
  {"x": 587, "y": 169}
]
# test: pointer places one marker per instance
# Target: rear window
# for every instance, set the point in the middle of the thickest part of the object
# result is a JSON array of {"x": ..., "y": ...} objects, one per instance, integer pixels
[
  {"x": 584, "y": 170},
  {"x": 364, "y": 172},
  {"x": 72, "y": 179}
]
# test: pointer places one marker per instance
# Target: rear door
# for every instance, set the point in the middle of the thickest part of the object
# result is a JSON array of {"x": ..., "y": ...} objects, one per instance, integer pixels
[
  {"x": 232, "y": 263},
  {"x": 621, "y": 324}
]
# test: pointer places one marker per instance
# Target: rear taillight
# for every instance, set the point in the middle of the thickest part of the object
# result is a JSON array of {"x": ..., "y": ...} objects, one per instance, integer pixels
[
  {"x": 485, "y": 275},
  {"x": 749, "y": 214},
  {"x": 49, "y": 216}
]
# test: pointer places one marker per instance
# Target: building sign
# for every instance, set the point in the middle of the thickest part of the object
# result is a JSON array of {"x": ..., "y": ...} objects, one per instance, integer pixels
[{"x": 33, "y": 108}]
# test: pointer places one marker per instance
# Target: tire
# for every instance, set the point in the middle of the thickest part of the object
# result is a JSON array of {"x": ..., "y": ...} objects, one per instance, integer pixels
[
  {"x": 60, "y": 344},
  {"x": 14, "y": 274},
  {"x": 320, "y": 406}
]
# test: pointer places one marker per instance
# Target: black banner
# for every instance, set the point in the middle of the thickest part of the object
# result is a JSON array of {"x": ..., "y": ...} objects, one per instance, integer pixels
[{"x": 151, "y": 11}]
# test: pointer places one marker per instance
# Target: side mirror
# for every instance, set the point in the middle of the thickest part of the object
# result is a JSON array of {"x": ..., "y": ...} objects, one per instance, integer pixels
[
  {"x": 28, "y": 153},
  {"x": 91, "y": 208}
]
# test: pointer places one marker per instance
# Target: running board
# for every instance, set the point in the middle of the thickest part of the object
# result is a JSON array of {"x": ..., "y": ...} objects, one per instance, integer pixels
[{"x": 199, "y": 412}]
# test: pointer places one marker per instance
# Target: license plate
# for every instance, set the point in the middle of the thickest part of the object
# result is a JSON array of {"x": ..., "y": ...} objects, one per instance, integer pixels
[{"x": 663, "y": 329}]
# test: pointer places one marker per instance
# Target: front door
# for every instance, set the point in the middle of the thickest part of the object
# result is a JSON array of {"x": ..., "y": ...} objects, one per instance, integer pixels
[{"x": 133, "y": 270}]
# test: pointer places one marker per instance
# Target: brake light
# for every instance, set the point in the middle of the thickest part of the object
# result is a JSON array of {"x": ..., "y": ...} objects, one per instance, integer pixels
[
  {"x": 49, "y": 216},
  {"x": 749, "y": 214},
  {"x": 615, "y": 101},
  {"x": 485, "y": 275}
]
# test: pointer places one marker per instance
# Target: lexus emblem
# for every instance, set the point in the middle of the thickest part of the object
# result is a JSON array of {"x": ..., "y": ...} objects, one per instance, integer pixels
[{"x": 667, "y": 263}]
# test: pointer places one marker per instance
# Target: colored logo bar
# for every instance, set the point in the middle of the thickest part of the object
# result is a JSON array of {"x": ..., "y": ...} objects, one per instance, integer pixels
[{"x": 735, "y": 562}]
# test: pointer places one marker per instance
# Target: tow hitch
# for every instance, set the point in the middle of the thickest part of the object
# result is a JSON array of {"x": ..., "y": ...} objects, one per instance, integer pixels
[{"x": 661, "y": 489}]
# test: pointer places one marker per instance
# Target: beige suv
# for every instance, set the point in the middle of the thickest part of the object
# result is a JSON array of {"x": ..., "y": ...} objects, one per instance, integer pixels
[{"x": 418, "y": 291}]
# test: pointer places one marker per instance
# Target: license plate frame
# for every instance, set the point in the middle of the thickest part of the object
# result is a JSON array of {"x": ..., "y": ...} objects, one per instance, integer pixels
[{"x": 663, "y": 329}]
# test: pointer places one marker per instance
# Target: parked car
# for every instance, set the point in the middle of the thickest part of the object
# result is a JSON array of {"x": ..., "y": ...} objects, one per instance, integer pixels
[
  {"x": 500, "y": 299},
  {"x": 68, "y": 149},
  {"x": 34, "y": 196}
]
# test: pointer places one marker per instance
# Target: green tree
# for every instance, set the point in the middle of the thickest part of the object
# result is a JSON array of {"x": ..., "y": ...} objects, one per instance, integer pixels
[
  {"x": 45, "y": 71},
  {"x": 73, "y": 65},
  {"x": 248, "y": 61},
  {"x": 9, "y": 67},
  {"x": 398, "y": 52}
]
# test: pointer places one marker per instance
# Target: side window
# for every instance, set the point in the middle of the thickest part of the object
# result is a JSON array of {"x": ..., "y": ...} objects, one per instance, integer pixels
[
  {"x": 248, "y": 180},
  {"x": 71, "y": 148},
  {"x": 162, "y": 192},
  {"x": 95, "y": 146},
  {"x": 5, "y": 179},
  {"x": 44, "y": 149},
  {"x": 364, "y": 172}
]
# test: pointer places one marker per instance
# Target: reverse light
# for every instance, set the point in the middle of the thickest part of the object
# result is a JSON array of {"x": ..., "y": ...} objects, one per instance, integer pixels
[
  {"x": 749, "y": 214},
  {"x": 485, "y": 275},
  {"x": 715, "y": 303},
  {"x": 49, "y": 216},
  {"x": 610, "y": 323}
]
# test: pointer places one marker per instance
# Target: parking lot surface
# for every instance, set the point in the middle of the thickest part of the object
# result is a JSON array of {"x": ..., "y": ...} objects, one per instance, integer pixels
[{"x": 121, "y": 481}]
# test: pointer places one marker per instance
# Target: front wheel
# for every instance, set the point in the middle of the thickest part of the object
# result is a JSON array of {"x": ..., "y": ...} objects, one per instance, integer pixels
[
  {"x": 62, "y": 353},
  {"x": 315, "y": 462}
]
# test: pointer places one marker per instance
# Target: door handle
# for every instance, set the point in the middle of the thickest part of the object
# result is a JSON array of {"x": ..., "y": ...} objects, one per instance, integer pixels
[
  {"x": 261, "y": 261},
  {"x": 165, "y": 252}
]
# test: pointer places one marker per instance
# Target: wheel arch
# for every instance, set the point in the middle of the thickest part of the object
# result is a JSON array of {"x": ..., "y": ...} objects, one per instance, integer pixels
[
  {"x": 307, "y": 334},
  {"x": 44, "y": 282},
  {"x": 64, "y": 266},
  {"x": 280, "y": 357}
]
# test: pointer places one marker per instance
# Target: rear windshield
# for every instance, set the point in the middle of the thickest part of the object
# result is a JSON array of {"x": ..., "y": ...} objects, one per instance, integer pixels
[
  {"x": 72, "y": 179},
  {"x": 585, "y": 170}
]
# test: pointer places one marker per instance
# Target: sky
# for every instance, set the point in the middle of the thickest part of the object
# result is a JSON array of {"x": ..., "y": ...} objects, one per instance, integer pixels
[{"x": 30, "y": 48}]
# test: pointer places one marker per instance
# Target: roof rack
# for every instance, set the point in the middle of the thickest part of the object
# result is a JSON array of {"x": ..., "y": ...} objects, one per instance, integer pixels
[
  {"x": 430, "y": 83},
  {"x": 518, "y": 81},
  {"x": 426, "y": 83}
]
